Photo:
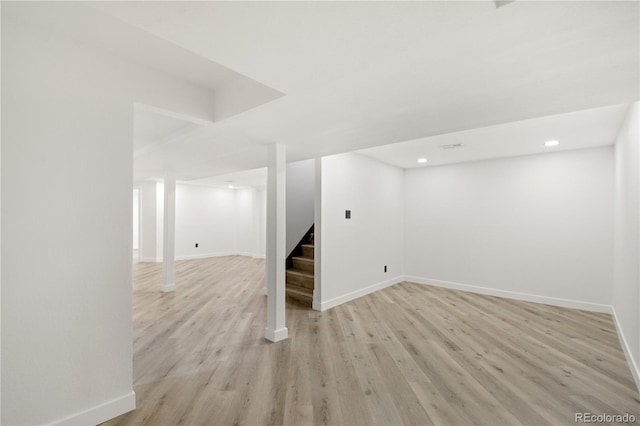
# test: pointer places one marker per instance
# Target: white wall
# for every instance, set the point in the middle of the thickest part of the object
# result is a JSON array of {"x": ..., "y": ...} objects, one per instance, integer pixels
[
  {"x": 222, "y": 221},
  {"x": 136, "y": 218},
  {"x": 300, "y": 201},
  {"x": 534, "y": 227},
  {"x": 246, "y": 241},
  {"x": 355, "y": 251},
  {"x": 67, "y": 242},
  {"x": 261, "y": 219},
  {"x": 626, "y": 285},
  {"x": 67, "y": 162},
  {"x": 250, "y": 222},
  {"x": 205, "y": 216}
]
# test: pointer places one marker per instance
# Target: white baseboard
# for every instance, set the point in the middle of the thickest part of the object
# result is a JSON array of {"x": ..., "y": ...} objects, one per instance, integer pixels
[
  {"x": 253, "y": 255},
  {"x": 554, "y": 301},
  {"x": 635, "y": 371},
  {"x": 168, "y": 288},
  {"x": 316, "y": 305},
  {"x": 276, "y": 335},
  {"x": 207, "y": 255},
  {"x": 323, "y": 306},
  {"x": 101, "y": 413}
]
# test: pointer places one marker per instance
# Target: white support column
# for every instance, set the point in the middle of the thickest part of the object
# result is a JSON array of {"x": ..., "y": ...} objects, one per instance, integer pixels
[
  {"x": 169, "y": 235},
  {"x": 254, "y": 224},
  {"x": 317, "y": 237},
  {"x": 276, "y": 243}
]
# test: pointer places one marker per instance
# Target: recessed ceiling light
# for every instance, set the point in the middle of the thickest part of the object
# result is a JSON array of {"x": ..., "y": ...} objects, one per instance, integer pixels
[
  {"x": 422, "y": 160},
  {"x": 230, "y": 187},
  {"x": 552, "y": 143}
]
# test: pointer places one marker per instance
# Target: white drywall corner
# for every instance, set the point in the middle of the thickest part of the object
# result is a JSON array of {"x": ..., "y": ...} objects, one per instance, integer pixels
[{"x": 626, "y": 271}]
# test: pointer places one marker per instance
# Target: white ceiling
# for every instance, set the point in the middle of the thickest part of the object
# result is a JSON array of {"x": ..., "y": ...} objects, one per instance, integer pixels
[
  {"x": 332, "y": 77},
  {"x": 256, "y": 178},
  {"x": 83, "y": 21},
  {"x": 574, "y": 130}
]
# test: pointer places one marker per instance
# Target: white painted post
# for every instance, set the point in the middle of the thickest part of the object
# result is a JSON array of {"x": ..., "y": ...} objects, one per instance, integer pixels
[
  {"x": 317, "y": 237},
  {"x": 169, "y": 235},
  {"x": 276, "y": 243},
  {"x": 254, "y": 223}
]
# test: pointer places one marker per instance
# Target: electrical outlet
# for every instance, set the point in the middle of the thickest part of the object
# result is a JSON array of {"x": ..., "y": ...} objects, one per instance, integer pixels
[
  {"x": 347, "y": 214},
  {"x": 196, "y": 245}
]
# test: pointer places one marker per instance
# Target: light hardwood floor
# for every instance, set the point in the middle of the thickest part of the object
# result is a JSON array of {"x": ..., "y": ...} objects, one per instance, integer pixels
[{"x": 409, "y": 354}]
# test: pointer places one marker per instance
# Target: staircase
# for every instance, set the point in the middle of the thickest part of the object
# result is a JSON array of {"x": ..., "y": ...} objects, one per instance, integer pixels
[{"x": 300, "y": 270}]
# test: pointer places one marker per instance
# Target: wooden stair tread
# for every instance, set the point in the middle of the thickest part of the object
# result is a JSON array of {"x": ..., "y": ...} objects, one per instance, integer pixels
[
  {"x": 300, "y": 277},
  {"x": 308, "y": 251},
  {"x": 303, "y": 258},
  {"x": 294, "y": 290},
  {"x": 300, "y": 294},
  {"x": 299, "y": 289},
  {"x": 299, "y": 272}
]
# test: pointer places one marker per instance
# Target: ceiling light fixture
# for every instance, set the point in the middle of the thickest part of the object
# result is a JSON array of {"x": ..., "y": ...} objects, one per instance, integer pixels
[
  {"x": 422, "y": 160},
  {"x": 230, "y": 186},
  {"x": 552, "y": 143}
]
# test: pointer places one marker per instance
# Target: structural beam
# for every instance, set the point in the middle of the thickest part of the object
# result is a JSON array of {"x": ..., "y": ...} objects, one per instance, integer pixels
[
  {"x": 169, "y": 235},
  {"x": 276, "y": 243}
]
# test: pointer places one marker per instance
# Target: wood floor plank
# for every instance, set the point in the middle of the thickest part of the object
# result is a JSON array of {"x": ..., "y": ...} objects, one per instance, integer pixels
[
  {"x": 324, "y": 397},
  {"x": 409, "y": 354}
]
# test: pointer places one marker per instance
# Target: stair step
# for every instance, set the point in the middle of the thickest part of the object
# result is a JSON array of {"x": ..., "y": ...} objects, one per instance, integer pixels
[
  {"x": 308, "y": 250},
  {"x": 300, "y": 293},
  {"x": 303, "y": 263},
  {"x": 300, "y": 278}
]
